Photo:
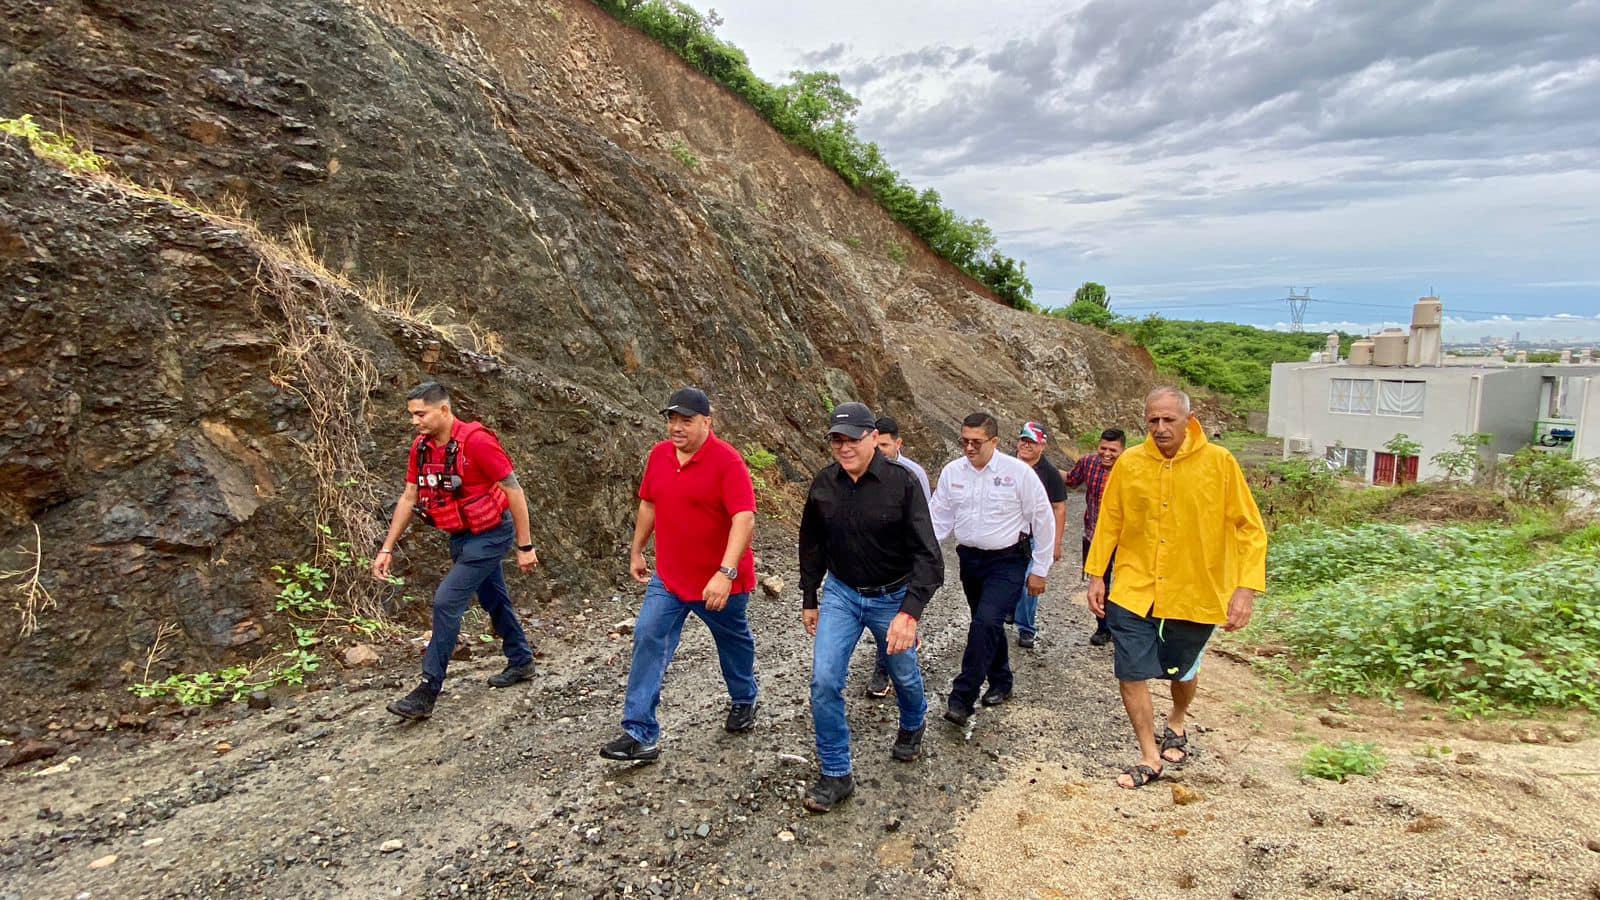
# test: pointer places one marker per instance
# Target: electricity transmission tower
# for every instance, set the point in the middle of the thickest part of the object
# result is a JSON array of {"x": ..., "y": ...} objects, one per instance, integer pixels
[{"x": 1298, "y": 301}]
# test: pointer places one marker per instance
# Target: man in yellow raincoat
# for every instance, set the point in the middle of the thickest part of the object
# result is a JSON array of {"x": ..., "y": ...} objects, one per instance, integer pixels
[{"x": 1191, "y": 554}]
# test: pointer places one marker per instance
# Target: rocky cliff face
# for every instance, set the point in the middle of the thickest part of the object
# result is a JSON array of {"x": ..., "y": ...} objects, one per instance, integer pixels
[{"x": 189, "y": 395}]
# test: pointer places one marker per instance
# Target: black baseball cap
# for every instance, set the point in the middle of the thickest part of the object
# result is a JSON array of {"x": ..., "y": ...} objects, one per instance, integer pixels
[
  {"x": 889, "y": 426},
  {"x": 853, "y": 420},
  {"x": 688, "y": 402}
]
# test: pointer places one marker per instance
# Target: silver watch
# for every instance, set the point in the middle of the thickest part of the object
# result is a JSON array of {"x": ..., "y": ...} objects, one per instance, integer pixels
[{"x": 730, "y": 571}]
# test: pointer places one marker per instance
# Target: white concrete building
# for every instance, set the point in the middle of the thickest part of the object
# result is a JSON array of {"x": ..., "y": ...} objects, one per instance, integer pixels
[{"x": 1346, "y": 410}]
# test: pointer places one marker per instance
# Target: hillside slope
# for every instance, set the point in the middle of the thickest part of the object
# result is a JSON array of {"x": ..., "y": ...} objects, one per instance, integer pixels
[{"x": 494, "y": 177}]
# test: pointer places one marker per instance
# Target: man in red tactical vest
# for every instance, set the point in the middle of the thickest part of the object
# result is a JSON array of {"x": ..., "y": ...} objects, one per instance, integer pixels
[{"x": 459, "y": 479}]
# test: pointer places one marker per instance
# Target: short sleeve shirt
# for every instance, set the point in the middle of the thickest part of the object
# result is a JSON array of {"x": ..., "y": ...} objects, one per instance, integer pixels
[
  {"x": 1055, "y": 490},
  {"x": 480, "y": 457},
  {"x": 695, "y": 505}
]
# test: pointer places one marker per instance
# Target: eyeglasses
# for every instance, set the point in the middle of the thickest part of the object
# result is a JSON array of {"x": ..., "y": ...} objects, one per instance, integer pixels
[
  {"x": 839, "y": 440},
  {"x": 975, "y": 443}
]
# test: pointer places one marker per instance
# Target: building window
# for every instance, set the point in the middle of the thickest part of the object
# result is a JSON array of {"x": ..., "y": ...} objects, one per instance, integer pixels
[
  {"x": 1401, "y": 398},
  {"x": 1350, "y": 395},
  {"x": 1350, "y": 459}
]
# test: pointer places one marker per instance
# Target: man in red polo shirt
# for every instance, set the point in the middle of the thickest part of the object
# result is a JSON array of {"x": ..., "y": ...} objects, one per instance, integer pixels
[{"x": 697, "y": 498}]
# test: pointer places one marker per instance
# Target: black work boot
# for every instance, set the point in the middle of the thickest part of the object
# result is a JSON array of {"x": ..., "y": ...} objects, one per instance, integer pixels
[
  {"x": 741, "y": 717},
  {"x": 994, "y": 697},
  {"x": 828, "y": 792},
  {"x": 628, "y": 749},
  {"x": 511, "y": 675},
  {"x": 907, "y": 745},
  {"x": 957, "y": 714},
  {"x": 416, "y": 705},
  {"x": 879, "y": 685}
]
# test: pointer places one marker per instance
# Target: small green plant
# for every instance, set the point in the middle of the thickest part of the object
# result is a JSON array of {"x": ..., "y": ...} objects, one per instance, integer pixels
[
  {"x": 681, "y": 152},
  {"x": 1465, "y": 462},
  {"x": 759, "y": 458},
  {"x": 896, "y": 253},
  {"x": 1341, "y": 760},
  {"x": 853, "y": 242},
  {"x": 1431, "y": 751},
  {"x": 60, "y": 149},
  {"x": 302, "y": 590}
]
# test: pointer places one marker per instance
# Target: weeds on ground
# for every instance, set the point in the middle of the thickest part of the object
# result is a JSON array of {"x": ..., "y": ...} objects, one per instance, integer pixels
[
  {"x": 681, "y": 152},
  {"x": 32, "y": 596},
  {"x": 1484, "y": 619},
  {"x": 1339, "y": 761}
]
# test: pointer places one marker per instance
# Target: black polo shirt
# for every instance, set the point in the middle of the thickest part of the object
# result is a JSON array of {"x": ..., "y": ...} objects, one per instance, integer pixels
[{"x": 869, "y": 533}]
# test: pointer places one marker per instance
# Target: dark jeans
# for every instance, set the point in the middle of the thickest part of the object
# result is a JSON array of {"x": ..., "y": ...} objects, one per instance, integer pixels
[
  {"x": 477, "y": 572},
  {"x": 991, "y": 580},
  {"x": 1100, "y": 621}
]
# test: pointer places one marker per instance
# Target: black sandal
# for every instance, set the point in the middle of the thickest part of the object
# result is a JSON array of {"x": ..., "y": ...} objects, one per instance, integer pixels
[
  {"x": 1171, "y": 740},
  {"x": 1141, "y": 775}
]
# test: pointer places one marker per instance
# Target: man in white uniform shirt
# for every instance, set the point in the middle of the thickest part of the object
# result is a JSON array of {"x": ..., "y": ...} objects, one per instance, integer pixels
[{"x": 1005, "y": 537}]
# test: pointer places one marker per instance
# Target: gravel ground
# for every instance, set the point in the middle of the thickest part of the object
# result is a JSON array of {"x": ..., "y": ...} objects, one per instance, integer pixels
[{"x": 501, "y": 793}]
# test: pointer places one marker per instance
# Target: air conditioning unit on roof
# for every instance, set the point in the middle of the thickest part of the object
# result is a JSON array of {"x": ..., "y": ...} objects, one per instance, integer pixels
[{"x": 1299, "y": 445}]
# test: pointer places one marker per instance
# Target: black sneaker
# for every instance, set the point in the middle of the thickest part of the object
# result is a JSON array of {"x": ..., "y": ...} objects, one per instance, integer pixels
[
  {"x": 627, "y": 749},
  {"x": 907, "y": 745},
  {"x": 512, "y": 675},
  {"x": 741, "y": 718},
  {"x": 1025, "y": 640},
  {"x": 879, "y": 685},
  {"x": 416, "y": 705},
  {"x": 1100, "y": 638},
  {"x": 828, "y": 792},
  {"x": 957, "y": 716},
  {"x": 995, "y": 697}
]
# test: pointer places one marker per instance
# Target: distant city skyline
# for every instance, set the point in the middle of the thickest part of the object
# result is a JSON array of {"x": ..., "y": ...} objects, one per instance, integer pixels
[{"x": 1199, "y": 157}]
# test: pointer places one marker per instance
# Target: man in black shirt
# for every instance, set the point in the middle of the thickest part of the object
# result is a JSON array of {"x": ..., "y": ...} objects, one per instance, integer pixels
[
  {"x": 1030, "y": 449},
  {"x": 866, "y": 527}
]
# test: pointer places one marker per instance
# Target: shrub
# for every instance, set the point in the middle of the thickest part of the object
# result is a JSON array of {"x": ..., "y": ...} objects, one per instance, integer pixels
[
  {"x": 681, "y": 152},
  {"x": 1535, "y": 476},
  {"x": 1465, "y": 462},
  {"x": 1341, "y": 760},
  {"x": 759, "y": 458},
  {"x": 61, "y": 149}
]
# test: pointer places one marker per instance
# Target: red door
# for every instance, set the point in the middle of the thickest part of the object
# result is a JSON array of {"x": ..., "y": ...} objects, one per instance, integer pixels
[
  {"x": 1408, "y": 470},
  {"x": 1383, "y": 468}
]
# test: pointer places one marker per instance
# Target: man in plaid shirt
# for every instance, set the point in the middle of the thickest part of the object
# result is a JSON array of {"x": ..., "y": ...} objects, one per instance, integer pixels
[{"x": 1091, "y": 473}]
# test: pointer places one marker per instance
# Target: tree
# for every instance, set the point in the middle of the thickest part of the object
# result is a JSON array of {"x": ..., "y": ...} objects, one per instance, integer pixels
[
  {"x": 1402, "y": 446},
  {"x": 1465, "y": 462},
  {"x": 1087, "y": 312},
  {"x": 1092, "y": 292}
]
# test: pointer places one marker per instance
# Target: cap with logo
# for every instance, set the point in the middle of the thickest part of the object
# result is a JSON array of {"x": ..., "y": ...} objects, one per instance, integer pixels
[
  {"x": 1033, "y": 431},
  {"x": 853, "y": 420},
  {"x": 688, "y": 402}
]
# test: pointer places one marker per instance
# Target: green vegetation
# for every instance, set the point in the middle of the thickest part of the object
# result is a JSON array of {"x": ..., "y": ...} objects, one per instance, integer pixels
[
  {"x": 1341, "y": 760},
  {"x": 1224, "y": 357},
  {"x": 60, "y": 149},
  {"x": 1534, "y": 476},
  {"x": 305, "y": 593},
  {"x": 814, "y": 111},
  {"x": 1402, "y": 445},
  {"x": 1465, "y": 462},
  {"x": 680, "y": 152},
  {"x": 1483, "y": 618},
  {"x": 759, "y": 458}
]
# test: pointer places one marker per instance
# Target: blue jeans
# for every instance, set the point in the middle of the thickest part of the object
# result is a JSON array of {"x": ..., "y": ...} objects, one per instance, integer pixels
[
  {"x": 1027, "y": 611},
  {"x": 655, "y": 639},
  {"x": 477, "y": 559},
  {"x": 842, "y": 615},
  {"x": 991, "y": 580}
]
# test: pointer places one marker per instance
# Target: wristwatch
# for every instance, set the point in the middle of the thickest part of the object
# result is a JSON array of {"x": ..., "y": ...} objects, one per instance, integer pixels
[
  {"x": 524, "y": 548},
  {"x": 730, "y": 571}
]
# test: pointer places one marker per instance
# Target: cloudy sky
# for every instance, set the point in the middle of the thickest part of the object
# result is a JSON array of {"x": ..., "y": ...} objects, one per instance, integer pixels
[{"x": 1199, "y": 158}]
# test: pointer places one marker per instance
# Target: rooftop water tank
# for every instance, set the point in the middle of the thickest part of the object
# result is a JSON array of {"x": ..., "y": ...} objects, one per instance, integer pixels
[
  {"x": 1428, "y": 311},
  {"x": 1361, "y": 352},
  {"x": 1389, "y": 347}
]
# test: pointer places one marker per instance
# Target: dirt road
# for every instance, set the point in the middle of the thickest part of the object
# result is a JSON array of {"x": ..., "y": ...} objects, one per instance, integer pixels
[{"x": 501, "y": 794}]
